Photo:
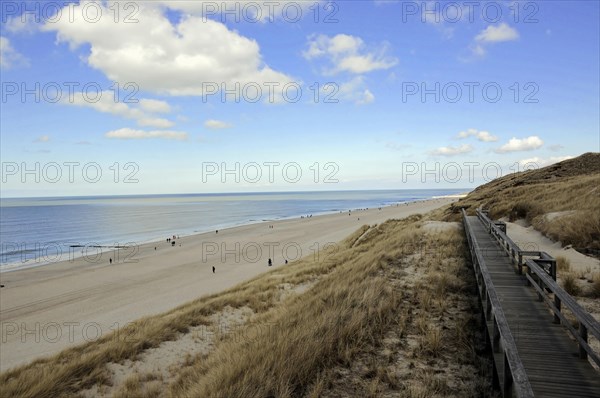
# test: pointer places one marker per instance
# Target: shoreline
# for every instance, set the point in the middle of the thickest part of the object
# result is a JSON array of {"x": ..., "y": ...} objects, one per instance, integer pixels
[
  {"x": 71, "y": 302},
  {"x": 73, "y": 253}
]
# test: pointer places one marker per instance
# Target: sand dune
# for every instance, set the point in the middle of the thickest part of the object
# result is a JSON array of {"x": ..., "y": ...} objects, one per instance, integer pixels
[{"x": 46, "y": 309}]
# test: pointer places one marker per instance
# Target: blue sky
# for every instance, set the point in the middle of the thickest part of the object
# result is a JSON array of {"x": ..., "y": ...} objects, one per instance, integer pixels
[{"x": 379, "y": 95}]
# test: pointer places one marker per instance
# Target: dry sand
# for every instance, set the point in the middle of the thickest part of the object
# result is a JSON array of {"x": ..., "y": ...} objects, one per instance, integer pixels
[
  {"x": 527, "y": 238},
  {"x": 46, "y": 309}
]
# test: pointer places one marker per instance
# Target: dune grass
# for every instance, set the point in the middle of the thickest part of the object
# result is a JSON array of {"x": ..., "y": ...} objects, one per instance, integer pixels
[
  {"x": 369, "y": 285},
  {"x": 571, "y": 187},
  {"x": 78, "y": 368}
]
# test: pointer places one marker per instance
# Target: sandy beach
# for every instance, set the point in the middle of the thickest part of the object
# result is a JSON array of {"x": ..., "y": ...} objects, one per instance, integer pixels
[{"x": 48, "y": 308}]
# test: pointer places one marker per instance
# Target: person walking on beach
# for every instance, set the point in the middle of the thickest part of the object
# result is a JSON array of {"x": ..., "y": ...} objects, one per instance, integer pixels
[
  {"x": 110, "y": 260},
  {"x": 213, "y": 269},
  {"x": 270, "y": 263}
]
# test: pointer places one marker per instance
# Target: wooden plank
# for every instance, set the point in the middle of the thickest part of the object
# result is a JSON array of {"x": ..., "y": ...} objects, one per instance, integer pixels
[{"x": 547, "y": 355}]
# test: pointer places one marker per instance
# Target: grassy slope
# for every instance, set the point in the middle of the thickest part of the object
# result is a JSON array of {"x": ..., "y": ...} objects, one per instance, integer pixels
[
  {"x": 396, "y": 279},
  {"x": 571, "y": 186}
]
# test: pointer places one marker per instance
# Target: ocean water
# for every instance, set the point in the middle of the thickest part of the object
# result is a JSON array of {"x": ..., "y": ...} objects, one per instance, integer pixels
[{"x": 37, "y": 231}]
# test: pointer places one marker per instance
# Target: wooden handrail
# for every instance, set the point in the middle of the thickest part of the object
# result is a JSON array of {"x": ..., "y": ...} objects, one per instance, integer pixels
[
  {"x": 515, "y": 377},
  {"x": 587, "y": 324},
  {"x": 546, "y": 279},
  {"x": 513, "y": 249}
]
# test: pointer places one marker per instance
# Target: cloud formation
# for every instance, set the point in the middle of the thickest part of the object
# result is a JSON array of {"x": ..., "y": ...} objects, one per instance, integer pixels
[
  {"x": 354, "y": 90},
  {"x": 537, "y": 162},
  {"x": 483, "y": 136},
  {"x": 216, "y": 124},
  {"x": 521, "y": 144},
  {"x": 452, "y": 151},
  {"x": 42, "y": 138},
  {"x": 9, "y": 57},
  {"x": 348, "y": 53},
  {"x": 497, "y": 34},
  {"x": 176, "y": 58},
  {"x": 142, "y": 113},
  {"x": 491, "y": 35},
  {"x": 131, "y": 134}
]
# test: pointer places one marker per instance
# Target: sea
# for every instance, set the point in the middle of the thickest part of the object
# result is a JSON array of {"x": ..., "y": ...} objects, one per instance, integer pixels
[{"x": 39, "y": 231}]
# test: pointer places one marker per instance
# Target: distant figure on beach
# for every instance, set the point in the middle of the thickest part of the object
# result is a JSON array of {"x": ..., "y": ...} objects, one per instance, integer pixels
[
  {"x": 213, "y": 269},
  {"x": 270, "y": 263},
  {"x": 286, "y": 261},
  {"x": 1, "y": 285},
  {"x": 154, "y": 247},
  {"x": 110, "y": 260},
  {"x": 172, "y": 243},
  {"x": 217, "y": 231}
]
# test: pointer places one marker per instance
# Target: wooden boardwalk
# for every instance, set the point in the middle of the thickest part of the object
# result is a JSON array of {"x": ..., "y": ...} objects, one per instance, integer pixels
[{"x": 551, "y": 363}]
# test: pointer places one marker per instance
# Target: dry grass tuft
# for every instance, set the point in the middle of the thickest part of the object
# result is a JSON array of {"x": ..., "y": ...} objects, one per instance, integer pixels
[
  {"x": 595, "y": 289},
  {"x": 563, "y": 264},
  {"x": 570, "y": 284}
]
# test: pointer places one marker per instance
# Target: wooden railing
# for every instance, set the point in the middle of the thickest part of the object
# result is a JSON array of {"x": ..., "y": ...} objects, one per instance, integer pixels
[
  {"x": 498, "y": 231},
  {"x": 501, "y": 339},
  {"x": 541, "y": 274}
]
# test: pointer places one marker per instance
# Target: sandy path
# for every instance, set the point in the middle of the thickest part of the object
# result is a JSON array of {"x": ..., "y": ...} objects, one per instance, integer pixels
[
  {"x": 46, "y": 309},
  {"x": 527, "y": 238}
]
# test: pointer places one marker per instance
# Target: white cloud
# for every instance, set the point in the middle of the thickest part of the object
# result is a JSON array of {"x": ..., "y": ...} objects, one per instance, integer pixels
[
  {"x": 521, "y": 144},
  {"x": 245, "y": 10},
  {"x": 107, "y": 104},
  {"x": 355, "y": 91},
  {"x": 155, "y": 122},
  {"x": 496, "y": 34},
  {"x": 9, "y": 57},
  {"x": 367, "y": 98},
  {"x": 452, "y": 151},
  {"x": 25, "y": 23},
  {"x": 187, "y": 57},
  {"x": 348, "y": 54},
  {"x": 490, "y": 35},
  {"x": 536, "y": 162},
  {"x": 155, "y": 106},
  {"x": 42, "y": 138},
  {"x": 131, "y": 134},
  {"x": 442, "y": 17},
  {"x": 483, "y": 136},
  {"x": 216, "y": 124}
]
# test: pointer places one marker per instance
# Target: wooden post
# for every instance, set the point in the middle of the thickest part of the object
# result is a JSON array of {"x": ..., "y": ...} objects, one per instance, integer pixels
[
  {"x": 507, "y": 382},
  {"x": 495, "y": 336},
  {"x": 557, "y": 304},
  {"x": 495, "y": 378},
  {"x": 521, "y": 264},
  {"x": 583, "y": 333}
]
